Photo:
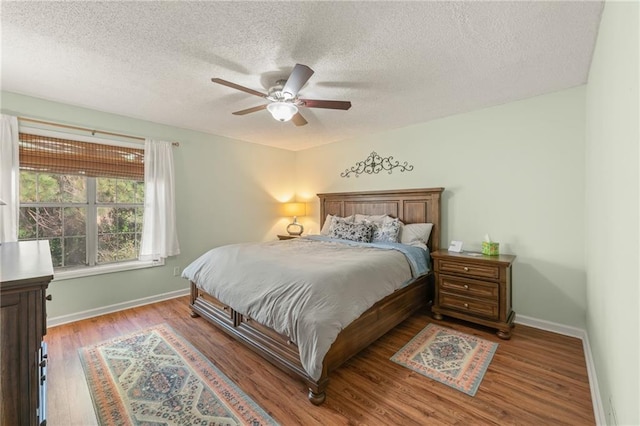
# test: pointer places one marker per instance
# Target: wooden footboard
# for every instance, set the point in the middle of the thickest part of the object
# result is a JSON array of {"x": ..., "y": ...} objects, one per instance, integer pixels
[{"x": 280, "y": 351}]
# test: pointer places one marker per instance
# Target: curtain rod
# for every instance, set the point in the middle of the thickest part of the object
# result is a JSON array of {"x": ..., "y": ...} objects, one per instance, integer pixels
[{"x": 85, "y": 129}]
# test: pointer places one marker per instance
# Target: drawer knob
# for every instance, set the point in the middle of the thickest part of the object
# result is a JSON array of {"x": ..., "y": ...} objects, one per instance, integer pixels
[
  {"x": 466, "y": 305},
  {"x": 225, "y": 308},
  {"x": 466, "y": 268},
  {"x": 466, "y": 286}
]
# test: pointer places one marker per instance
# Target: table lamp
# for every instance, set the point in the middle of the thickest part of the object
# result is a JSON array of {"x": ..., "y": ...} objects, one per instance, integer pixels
[{"x": 295, "y": 210}]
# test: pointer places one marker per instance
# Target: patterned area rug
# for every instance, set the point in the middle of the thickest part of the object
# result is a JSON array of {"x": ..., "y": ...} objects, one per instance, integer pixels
[
  {"x": 155, "y": 377},
  {"x": 456, "y": 359}
]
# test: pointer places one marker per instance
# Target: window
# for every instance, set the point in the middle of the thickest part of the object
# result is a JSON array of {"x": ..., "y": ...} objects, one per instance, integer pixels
[
  {"x": 85, "y": 198},
  {"x": 119, "y": 218}
]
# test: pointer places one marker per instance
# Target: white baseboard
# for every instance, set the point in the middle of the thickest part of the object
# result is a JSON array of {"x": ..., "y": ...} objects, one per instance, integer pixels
[
  {"x": 554, "y": 327},
  {"x": 65, "y": 319},
  {"x": 598, "y": 408}
]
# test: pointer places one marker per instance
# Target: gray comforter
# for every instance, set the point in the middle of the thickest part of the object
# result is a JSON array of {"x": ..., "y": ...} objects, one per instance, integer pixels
[{"x": 307, "y": 289}]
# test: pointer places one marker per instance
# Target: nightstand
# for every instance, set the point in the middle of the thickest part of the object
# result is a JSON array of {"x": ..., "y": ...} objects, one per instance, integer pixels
[
  {"x": 288, "y": 237},
  {"x": 475, "y": 288}
]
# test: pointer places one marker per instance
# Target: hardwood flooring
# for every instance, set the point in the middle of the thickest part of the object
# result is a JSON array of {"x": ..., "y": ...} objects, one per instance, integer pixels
[{"x": 535, "y": 378}]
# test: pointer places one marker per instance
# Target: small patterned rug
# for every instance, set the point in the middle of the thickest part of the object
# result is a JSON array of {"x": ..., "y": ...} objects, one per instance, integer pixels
[
  {"x": 155, "y": 377},
  {"x": 456, "y": 359}
]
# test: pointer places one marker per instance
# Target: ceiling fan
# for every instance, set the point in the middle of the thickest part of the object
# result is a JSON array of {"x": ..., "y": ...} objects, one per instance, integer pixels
[{"x": 283, "y": 97}]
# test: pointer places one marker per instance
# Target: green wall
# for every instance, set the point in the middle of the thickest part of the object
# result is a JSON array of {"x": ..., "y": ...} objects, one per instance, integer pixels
[
  {"x": 613, "y": 213},
  {"x": 514, "y": 171},
  {"x": 226, "y": 191}
]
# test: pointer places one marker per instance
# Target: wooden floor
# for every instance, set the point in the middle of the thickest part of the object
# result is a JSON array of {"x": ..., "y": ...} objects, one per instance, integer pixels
[{"x": 536, "y": 378}]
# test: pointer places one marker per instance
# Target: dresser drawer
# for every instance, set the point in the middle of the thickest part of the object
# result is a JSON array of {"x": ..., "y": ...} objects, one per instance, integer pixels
[
  {"x": 469, "y": 288},
  {"x": 469, "y": 269},
  {"x": 477, "y": 307}
]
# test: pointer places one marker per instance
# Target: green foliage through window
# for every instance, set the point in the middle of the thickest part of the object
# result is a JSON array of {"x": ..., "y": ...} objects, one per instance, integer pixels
[{"x": 88, "y": 221}]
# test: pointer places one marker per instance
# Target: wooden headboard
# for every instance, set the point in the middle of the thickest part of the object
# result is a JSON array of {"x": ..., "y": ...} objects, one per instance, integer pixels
[{"x": 409, "y": 205}]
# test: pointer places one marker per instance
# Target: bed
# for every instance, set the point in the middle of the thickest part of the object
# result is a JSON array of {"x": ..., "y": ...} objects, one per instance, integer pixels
[{"x": 410, "y": 206}]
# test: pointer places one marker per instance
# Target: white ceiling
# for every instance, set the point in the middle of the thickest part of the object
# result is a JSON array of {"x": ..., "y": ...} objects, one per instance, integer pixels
[{"x": 399, "y": 63}]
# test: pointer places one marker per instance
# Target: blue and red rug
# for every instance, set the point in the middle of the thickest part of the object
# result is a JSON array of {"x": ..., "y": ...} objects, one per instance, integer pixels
[
  {"x": 156, "y": 377},
  {"x": 453, "y": 358}
]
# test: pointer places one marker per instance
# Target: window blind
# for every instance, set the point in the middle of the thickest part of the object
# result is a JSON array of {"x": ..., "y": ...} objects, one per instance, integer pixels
[{"x": 63, "y": 156}]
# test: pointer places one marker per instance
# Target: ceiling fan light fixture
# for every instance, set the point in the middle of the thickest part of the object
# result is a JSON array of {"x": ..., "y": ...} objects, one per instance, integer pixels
[
  {"x": 282, "y": 111},
  {"x": 283, "y": 101}
]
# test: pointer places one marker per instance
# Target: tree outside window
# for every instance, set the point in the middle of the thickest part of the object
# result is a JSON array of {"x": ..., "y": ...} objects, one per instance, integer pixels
[{"x": 88, "y": 221}]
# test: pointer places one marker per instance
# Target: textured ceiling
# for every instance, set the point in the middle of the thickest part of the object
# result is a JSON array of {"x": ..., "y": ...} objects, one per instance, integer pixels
[{"x": 399, "y": 63}]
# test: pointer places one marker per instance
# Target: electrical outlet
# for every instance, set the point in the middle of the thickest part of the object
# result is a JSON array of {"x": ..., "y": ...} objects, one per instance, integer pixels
[{"x": 176, "y": 271}]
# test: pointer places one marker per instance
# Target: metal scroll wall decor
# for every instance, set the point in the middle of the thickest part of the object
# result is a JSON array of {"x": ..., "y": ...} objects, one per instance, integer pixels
[{"x": 374, "y": 164}]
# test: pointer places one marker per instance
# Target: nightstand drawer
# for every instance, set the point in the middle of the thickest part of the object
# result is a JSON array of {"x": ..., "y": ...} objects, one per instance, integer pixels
[
  {"x": 469, "y": 269},
  {"x": 471, "y": 306},
  {"x": 469, "y": 288}
]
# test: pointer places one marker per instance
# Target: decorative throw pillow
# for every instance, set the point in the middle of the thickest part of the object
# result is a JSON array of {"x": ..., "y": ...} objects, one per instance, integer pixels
[
  {"x": 387, "y": 231},
  {"x": 336, "y": 219},
  {"x": 343, "y": 230},
  {"x": 328, "y": 222}
]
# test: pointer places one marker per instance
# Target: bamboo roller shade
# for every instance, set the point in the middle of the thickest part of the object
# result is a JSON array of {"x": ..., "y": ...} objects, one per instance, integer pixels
[{"x": 55, "y": 155}]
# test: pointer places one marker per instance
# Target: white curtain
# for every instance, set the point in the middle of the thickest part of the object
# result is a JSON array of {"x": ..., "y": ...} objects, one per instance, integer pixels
[
  {"x": 9, "y": 178},
  {"x": 159, "y": 236}
]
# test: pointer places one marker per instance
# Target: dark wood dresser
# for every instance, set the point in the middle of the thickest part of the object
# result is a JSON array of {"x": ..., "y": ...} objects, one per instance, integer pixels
[
  {"x": 25, "y": 273},
  {"x": 474, "y": 288}
]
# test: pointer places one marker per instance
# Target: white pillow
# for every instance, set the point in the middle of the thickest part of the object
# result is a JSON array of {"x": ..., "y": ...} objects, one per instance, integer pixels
[
  {"x": 326, "y": 227},
  {"x": 415, "y": 232},
  {"x": 419, "y": 244},
  {"x": 375, "y": 218}
]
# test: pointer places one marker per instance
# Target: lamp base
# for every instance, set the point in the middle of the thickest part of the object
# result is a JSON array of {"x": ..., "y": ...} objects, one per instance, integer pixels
[{"x": 295, "y": 228}]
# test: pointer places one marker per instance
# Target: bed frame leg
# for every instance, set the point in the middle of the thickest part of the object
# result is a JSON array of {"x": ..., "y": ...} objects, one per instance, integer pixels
[
  {"x": 192, "y": 300},
  {"x": 317, "y": 390},
  {"x": 316, "y": 398}
]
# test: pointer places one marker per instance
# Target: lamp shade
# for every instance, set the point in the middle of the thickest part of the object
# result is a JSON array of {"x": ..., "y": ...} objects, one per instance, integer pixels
[
  {"x": 282, "y": 111},
  {"x": 295, "y": 209}
]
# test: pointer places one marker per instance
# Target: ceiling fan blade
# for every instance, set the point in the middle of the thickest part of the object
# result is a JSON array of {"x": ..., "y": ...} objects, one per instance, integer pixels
[
  {"x": 314, "y": 103},
  {"x": 238, "y": 87},
  {"x": 299, "y": 76},
  {"x": 298, "y": 119},
  {"x": 250, "y": 110}
]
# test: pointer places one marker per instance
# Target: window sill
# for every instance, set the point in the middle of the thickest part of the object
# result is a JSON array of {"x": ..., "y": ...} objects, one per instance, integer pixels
[{"x": 104, "y": 269}]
